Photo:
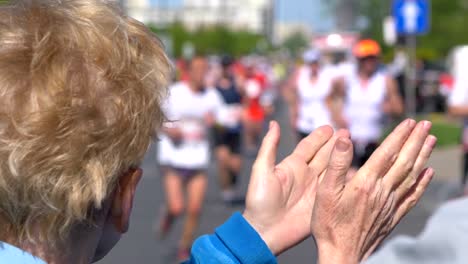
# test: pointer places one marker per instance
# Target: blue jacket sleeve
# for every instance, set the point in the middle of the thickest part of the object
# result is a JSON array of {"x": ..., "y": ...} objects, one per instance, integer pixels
[{"x": 235, "y": 242}]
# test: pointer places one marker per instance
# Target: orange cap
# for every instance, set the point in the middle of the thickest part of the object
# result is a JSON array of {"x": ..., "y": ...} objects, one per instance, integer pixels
[{"x": 366, "y": 48}]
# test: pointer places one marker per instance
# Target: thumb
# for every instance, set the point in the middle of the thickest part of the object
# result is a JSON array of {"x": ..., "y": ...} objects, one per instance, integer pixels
[
  {"x": 267, "y": 153},
  {"x": 339, "y": 164}
]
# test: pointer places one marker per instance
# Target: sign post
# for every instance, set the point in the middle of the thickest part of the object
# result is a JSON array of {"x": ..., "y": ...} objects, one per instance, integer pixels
[
  {"x": 412, "y": 18},
  {"x": 411, "y": 75}
]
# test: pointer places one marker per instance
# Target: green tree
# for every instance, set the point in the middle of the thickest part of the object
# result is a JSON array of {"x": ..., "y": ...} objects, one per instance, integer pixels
[
  {"x": 448, "y": 27},
  {"x": 178, "y": 34},
  {"x": 295, "y": 43},
  {"x": 448, "y": 24},
  {"x": 211, "y": 39}
]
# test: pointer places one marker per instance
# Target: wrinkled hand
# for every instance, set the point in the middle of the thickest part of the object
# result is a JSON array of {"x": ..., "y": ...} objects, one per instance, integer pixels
[
  {"x": 281, "y": 197},
  {"x": 351, "y": 218}
]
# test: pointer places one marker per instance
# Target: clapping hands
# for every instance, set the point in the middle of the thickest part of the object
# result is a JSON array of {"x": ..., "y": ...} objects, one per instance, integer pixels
[{"x": 307, "y": 192}]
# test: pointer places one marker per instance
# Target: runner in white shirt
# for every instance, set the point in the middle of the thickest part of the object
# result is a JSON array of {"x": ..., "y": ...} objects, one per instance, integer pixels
[
  {"x": 184, "y": 151},
  {"x": 458, "y": 106},
  {"x": 361, "y": 100},
  {"x": 310, "y": 88}
]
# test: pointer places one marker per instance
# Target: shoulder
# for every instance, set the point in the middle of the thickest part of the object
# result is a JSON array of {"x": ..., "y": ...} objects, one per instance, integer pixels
[
  {"x": 383, "y": 75},
  {"x": 212, "y": 92},
  {"x": 11, "y": 254},
  {"x": 300, "y": 72},
  {"x": 178, "y": 87},
  {"x": 213, "y": 96},
  {"x": 328, "y": 74},
  {"x": 456, "y": 209},
  {"x": 389, "y": 81},
  {"x": 178, "y": 90},
  {"x": 345, "y": 73}
]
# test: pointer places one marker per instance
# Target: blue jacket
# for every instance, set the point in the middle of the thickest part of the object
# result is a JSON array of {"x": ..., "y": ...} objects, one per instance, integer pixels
[
  {"x": 235, "y": 242},
  {"x": 13, "y": 255}
]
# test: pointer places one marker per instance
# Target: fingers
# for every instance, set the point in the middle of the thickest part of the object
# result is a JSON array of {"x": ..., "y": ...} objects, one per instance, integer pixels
[
  {"x": 406, "y": 160},
  {"x": 384, "y": 157},
  {"x": 320, "y": 161},
  {"x": 414, "y": 195},
  {"x": 339, "y": 164},
  {"x": 419, "y": 165},
  {"x": 308, "y": 147},
  {"x": 267, "y": 153}
]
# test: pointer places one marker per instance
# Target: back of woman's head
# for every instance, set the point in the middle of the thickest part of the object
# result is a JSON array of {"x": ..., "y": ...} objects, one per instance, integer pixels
[{"x": 80, "y": 93}]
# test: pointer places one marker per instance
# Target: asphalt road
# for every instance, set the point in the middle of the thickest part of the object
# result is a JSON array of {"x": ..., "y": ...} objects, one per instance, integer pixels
[{"x": 140, "y": 245}]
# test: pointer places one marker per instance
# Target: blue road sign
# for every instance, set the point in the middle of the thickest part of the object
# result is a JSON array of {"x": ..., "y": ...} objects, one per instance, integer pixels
[{"x": 412, "y": 17}]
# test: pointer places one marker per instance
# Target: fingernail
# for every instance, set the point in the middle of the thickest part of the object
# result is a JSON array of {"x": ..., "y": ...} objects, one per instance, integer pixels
[
  {"x": 429, "y": 171},
  {"x": 271, "y": 125},
  {"x": 427, "y": 125},
  {"x": 431, "y": 141},
  {"x": 410, "y": 122},
  {"x": 342, "y": 145}
]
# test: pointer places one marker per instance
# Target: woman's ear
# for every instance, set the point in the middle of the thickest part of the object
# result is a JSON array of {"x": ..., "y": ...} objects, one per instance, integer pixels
[{"x": 123, "y": 200}]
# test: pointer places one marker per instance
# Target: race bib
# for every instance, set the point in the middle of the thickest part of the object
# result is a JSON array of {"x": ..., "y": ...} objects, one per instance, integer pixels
[{"x": 193, "y": 131}]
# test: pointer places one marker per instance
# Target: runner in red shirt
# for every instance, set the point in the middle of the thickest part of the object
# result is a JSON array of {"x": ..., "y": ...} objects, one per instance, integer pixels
[{"x": 254, "y": 113}]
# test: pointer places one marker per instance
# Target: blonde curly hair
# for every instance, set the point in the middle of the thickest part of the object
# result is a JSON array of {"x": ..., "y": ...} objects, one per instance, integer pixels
[{"x": 80, "y": 99}]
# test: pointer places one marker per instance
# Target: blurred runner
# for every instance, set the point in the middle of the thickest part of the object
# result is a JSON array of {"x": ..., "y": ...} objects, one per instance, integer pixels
[
  {"x": 458, "y": 106},
  {"x": 310, "y": 88},
  {"x": 184, "y": 152},
  {"x": 254, "y": 114},
  {"x": 269, "y": 94},
  {"x": 457, "y": 87},
  {"x": 360, "y": 101},
  {"x": 228, "y": 132}
]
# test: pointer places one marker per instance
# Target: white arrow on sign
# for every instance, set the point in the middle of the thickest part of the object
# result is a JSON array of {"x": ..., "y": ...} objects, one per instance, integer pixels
[{"x": 411, "y": 12}]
